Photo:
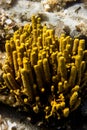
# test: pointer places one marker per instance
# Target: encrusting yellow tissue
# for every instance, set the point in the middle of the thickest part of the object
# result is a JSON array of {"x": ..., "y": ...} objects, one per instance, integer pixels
[{"x": 44, "y": 71}]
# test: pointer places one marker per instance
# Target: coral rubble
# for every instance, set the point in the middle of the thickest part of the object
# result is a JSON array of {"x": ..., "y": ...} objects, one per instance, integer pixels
[
  {"x": 56, "y": 5},
  {"x": 43, "y": 71}
]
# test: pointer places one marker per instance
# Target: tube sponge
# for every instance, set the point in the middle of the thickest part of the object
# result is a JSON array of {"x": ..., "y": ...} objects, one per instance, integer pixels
[{"x": 40, "y": 64}]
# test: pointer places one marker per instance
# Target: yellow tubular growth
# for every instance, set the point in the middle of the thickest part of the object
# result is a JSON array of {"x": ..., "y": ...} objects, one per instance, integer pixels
[
  {"x": 75, "y": 46},
  {"x": 6, "y": 81},
  {"x": 33, "y": 58},
  {"x": 16, "y": 67},
  {"x": 46, "y": 72},
  {"x": 38, "y": 77},
  {"x": 77, "y": 61},
  {"x": 26, "y": 84},
  {"x": 82, "y": 44},
  {"x": 60, "y": 87},
  {"x": 72, "y": 77},
  {"x": 73, "y": 99},
  {"x": 8, "y": 69},
  {"x": 66, "y": 112},
  {"x": 9, "y": 54},
  {"x": 12, "y": 81},
  {"x": 62, "y": 68}
]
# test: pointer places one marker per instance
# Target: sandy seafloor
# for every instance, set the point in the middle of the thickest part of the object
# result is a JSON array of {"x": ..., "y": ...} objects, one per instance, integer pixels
[{"x": 72, "y": 20}]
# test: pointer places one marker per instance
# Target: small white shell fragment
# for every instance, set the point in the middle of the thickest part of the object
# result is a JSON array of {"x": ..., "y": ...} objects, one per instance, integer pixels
[
  {"x": 5, "y": 2},
  {"x": 8, "y": 1},
  {"x": 47, "y": 7},
  {"x": 8, "y": 21}
]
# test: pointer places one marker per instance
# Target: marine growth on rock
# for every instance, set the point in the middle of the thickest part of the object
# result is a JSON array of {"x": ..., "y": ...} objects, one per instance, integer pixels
[{"x": 43, "y": 71}]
